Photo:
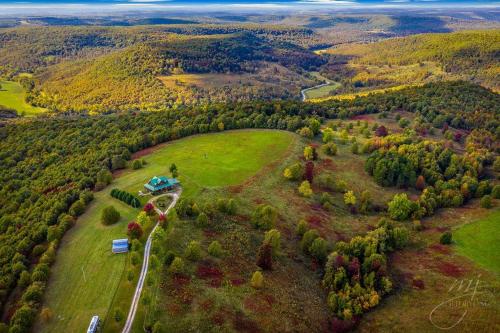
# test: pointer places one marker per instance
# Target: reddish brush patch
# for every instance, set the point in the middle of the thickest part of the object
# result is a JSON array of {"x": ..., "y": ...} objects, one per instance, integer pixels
[
  {"x": 315, "y": 265},
  {"x": 256, "y": 304},
  {"x": 218, "y": 318},
  {"x": 450, "y": 269},
  {"x": 314, "y": 145},
  {"x": 340, "y": 236},
  {"x": 237, "y": 282},
  {"x": 342, "y": 326},
  {"x": 362, "y": 117},
  {"x": 179, "y": 289},
  {"x": 206, "y": 305},
  {"x": 215, "y": 283},
  {"x": 314, "y": 221},
  {"x": 174, "y": 308},
  {"x": 258, "y": 201},
  {"x": 418, "y": 283},
  {"x": 118, "y": 173},
  {"x": 270, "y": 299},
  {"x": 241, "y": 218},
  {"x": 287, "y": 232},
  {"x": 413, "y": 197},
  {"x": 440, "y": 248},
  {"x": 222, "y": 315},
  {"x": 442, "y": 229},
  {"x": 236, "y": 188},
  {"x": 147, "y": 151},
  {"x": 181, "y": 280},
  {"x": 242, "y": 323},
  {"x": 326, "y": 164},
  {"x": 209, "y": 233},
  {"x": 206, "y": 271},
  {"x": 316, "y": 207}
]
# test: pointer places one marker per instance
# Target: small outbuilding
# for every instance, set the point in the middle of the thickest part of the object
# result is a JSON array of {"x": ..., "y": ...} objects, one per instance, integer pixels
[
  {"x": 120, "y": 245},
  {"x": 161, "y": 184}
]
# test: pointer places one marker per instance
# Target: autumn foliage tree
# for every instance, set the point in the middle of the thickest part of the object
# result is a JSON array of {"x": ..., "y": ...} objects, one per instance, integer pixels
[
  {"x": 134, "y": 230},
  {"x": 309, "y": 172},
  {"x": 381, "y": 131},
  {"x": 149, "y": 208},
  {"x": 265, "y": 256},
  {"x": 420, "y": 184}
]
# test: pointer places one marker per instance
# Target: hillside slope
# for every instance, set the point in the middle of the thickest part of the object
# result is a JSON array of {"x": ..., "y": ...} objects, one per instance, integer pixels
[
  {"x": 130, "y": 78},
  {"x": 470, "y": 55}
]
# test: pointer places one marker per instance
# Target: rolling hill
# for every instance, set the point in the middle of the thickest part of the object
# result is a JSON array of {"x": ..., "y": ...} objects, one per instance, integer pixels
[
  {"x": 130, "y": 78},
  {"x": 469, "y": 55}
]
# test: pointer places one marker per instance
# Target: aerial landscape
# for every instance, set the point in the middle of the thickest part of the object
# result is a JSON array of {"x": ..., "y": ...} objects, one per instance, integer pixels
[{"x": 244, "y": 166}]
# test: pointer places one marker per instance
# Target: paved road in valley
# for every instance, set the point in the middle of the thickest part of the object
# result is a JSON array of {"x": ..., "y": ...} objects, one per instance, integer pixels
[{"x": 303, "y": 91}]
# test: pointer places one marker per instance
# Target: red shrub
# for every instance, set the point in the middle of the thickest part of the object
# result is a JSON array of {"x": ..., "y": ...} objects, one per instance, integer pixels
[
  {"x": 309, "y": 173},
  {"x": 353, "y": 268},
  {"x": 339, "y": 261},
  {"x": 148, "y": 208},
  {"x": 342, "y": 326},
  {"x": 420, "y": 184},
  {"x": 418, "y": 283},
  {"x": 445, "y": 128},
  {"x": 381, "y": 131},
  {"x": 265, "y": 256},
  {"x": 134, "y": 230}
]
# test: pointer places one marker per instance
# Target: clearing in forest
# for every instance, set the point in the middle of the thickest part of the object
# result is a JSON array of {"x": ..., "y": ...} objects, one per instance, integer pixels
[
  {"x": 12, "y": 96},
  {"x": 86, "y": 274}
]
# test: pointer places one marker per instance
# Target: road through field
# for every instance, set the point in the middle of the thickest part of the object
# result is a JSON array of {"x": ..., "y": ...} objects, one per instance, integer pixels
[
  {"x": 303, "y": 91},
  {"x": 145, "y": 265}
]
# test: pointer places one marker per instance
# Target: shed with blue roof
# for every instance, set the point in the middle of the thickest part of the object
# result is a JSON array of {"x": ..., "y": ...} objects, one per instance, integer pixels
[{"x": 120, "y": 245}]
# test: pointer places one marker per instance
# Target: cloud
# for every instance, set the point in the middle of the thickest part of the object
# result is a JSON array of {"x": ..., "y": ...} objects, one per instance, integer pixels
[
  {"x": 340, "y": 2},
  {"x": 145, "y": 1}
]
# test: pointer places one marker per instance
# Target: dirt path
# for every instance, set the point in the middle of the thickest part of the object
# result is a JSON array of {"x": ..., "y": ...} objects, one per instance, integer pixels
[{"x": 145, "y": 263}]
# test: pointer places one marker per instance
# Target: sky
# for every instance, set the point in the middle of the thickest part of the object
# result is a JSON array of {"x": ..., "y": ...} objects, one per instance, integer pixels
[{"x": 76, "y": 7}]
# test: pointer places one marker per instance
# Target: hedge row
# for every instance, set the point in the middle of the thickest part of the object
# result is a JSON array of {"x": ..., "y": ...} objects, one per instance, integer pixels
[{"x": 126, "y": 197}]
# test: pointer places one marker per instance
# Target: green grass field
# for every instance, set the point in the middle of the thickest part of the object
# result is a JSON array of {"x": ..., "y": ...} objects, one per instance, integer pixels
[
  {"x": 323, "y": 91},
  {"x": 480, "y": 241},
  {"x": 12, "y": 96},
  {"x": 211, "y": 160}
]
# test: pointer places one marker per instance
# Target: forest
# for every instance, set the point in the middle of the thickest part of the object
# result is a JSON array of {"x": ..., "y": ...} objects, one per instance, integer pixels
[
  {"x": 468, "y": 55},
  {"x": 50, "y": 166},
  {"x": 335, "y": 211},
  {"x": 74, "y": 67}
]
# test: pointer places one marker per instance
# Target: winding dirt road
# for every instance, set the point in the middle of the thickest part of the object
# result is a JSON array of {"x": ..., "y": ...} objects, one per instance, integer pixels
[{"x": 145, "y": 263}]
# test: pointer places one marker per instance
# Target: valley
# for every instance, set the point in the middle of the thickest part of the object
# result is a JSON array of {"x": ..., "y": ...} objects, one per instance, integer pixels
[{"x": 324, "y": 172}]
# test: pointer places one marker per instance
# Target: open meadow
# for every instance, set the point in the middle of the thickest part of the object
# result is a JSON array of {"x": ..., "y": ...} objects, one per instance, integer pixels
[
  {"x": 480, "y": 241},
  {"x": 86, "y": 274},
  {"x": 12, "y": 96}
]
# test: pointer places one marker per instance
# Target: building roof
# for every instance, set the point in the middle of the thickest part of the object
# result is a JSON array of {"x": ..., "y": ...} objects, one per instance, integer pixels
[
  {"x": 120, "y": 245},
  {"x": 159, "y": 183},
  {"x": 155, "y": 181},
  {"x": 123, "y": 241}
]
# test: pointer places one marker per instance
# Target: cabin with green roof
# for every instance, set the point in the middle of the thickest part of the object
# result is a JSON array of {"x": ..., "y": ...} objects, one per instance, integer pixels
[{"x": 161, "y": 184}]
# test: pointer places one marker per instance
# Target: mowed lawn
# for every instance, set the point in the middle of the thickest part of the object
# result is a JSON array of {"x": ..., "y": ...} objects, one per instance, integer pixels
[
  {"x": 12, "y": 96},
  {"x": 212, "y": 160},
  {"x": 86, "y": 274},
  {"x": 480, "y": 241}
]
